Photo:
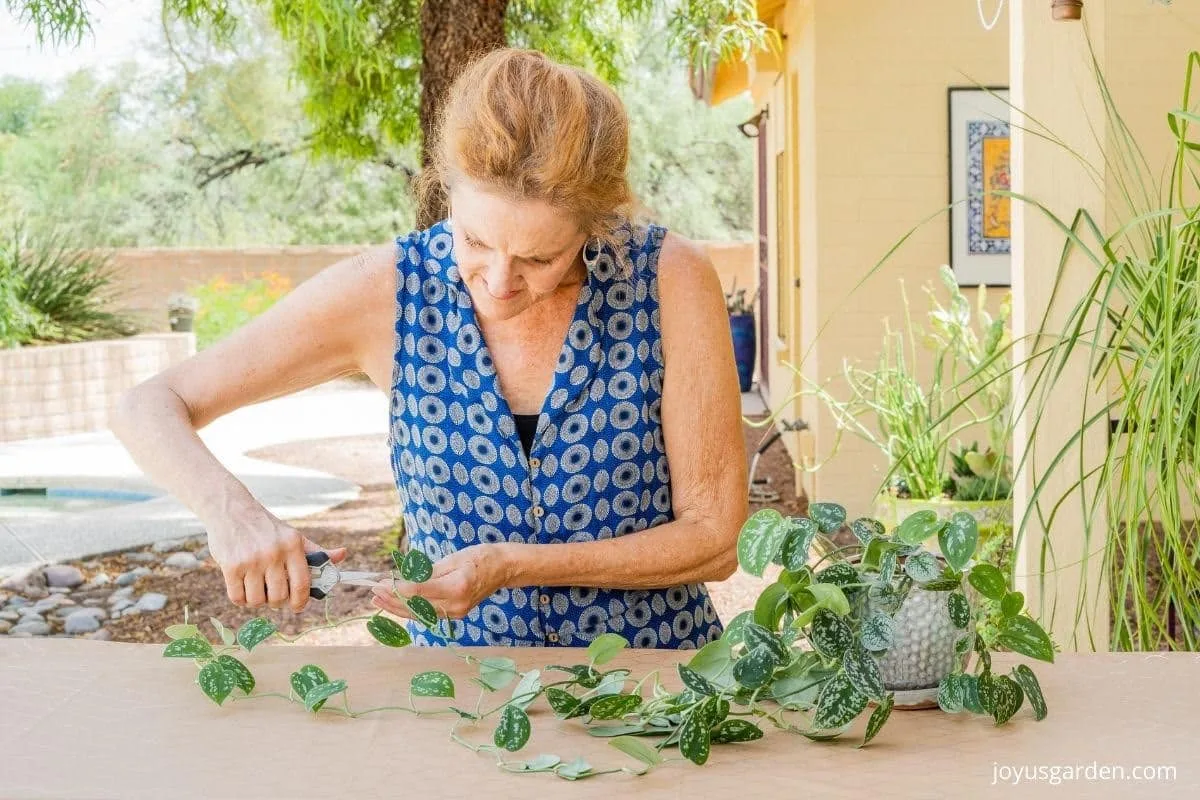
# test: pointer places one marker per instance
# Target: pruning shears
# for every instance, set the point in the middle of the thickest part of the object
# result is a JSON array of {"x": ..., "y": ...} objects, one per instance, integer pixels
[{"x": 324, "y": 575}]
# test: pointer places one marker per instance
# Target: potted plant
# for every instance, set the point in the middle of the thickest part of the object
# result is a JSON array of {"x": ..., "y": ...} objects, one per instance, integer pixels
[
  {"x": 741, "y": 324},
  {"x": 181, "y": 311}
]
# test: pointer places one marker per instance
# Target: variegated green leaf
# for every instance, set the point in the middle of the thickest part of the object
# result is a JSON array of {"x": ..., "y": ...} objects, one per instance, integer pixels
[
  {"x": 735, "y": 730},
  {"x": 388, "y": 632},
  {"x": 305, "y": 679},
  {"x": 950, "y": 694},
  {"x": 830, "y": 634},
  {"x": 561, "y": 701},
  {"x": 760, "y": 540},
  {"x": 316, "y": 696},
  {"x": 513, "y": 731},
  {"x": 735, "y": 630},
  {"x": 615, "y": 706},
  {"x": 431, "y": 684},
  {"x": 241, "y": 675},
  {"x": 182, "y": 631},
  {"x": 695, "y": 681},
  {"x": 958, "y": 539},
  {"x": 1006, "y": 698},
  {"x": 416, "y": 567},
  {"x": 877, "y": 631},
  {"x": 496, "y": 672},
  {"x": 830, "y": 596},
  {"x": 878, "y": 717},
  {"x": 769, "y": 607},
  {"x": 423, "y": 610},
  {"x": 254, "y": 632},
  {"x": 754, "y": 669},
  {"x": 917, "y": 527},
  {"x": 1024, "y": 677},
  {"x": 542, "y": 763},
  {"x": 1012, "y": 604},
  {"x": 228, "y": 637},
  {"x": 633, "y": 746},
  {"x": 527, "y": 689},
  {"x": 694, "y": 739},
  {"x": 757, "y": 635},
  {"x": 215, "y": 681},
  {"x": 866, "y": 529},
  {"x": 988, "y": 581},
  {"x": 574, "y": 770},
  {"x": 828, "y": 516},
  {"x": 863, "y": 672},
  {"x": 887, "y": 567},
  {"x": 839, "y": 574},
  {"x": 1026, "y": 637},
  {"x": 959, "y": 608},
  {"x": 713, "y": 660},
  {"x": 984, "y": 681},
  {"x": 794, "y": 555},
  {"x": 838, "y": 703},
  {"x": 192, "y": 647},
  {"x": 970, "y": 694},
  {"x": 922, "y": 567}
]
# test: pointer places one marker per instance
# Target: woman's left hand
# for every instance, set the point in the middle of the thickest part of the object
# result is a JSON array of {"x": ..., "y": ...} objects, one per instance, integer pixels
[{"x": 459, "y": 582}]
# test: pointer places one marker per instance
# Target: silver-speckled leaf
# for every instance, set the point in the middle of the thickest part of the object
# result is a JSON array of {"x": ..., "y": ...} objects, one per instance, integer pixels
[
  {"x": 754, "y": 669},
  {"x": 922, "y": 567},
  {"x": 830, "y": 634},
  {"x": 1006, "y": 698},
  {"x": 838, "y": 703},
  {"x": 863, "y": 672},
  {"x": 694, "y": 738},
  {"x": 794, "y": 555},
  {"x": 1028, "y": 682},
  {"x": 761, "y": 539},
  {"x": 959, "y": 608},
  {"x": 828, "y": 516},
  {"x": 216, "y": 681},
  {"x": 513, "y": 731},
  {"x": 878, "y": 717},
  {"x": 958, "y": 539},
  {"x": 877, "y": 631}
]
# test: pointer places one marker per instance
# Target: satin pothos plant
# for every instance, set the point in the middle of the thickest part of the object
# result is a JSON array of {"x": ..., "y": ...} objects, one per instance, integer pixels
[{"x": 804, "y": 660}]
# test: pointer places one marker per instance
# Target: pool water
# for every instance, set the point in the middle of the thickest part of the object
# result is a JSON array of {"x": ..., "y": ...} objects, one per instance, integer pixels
[{"x": 43, "y": 503}]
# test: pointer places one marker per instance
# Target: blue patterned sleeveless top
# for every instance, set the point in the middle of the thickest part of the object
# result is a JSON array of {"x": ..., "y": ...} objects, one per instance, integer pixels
[{"x": 597, "y": 468}]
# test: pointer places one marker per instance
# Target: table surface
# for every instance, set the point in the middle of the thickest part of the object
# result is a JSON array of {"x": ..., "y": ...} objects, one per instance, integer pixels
[{"x": 86, "y": 719}]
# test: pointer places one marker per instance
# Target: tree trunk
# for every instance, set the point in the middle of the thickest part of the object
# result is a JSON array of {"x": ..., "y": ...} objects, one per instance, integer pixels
[{"x": 453, "y": 34}]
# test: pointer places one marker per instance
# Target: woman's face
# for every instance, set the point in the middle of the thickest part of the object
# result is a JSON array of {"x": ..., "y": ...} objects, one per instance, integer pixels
[{"x": 512, "y": 253}]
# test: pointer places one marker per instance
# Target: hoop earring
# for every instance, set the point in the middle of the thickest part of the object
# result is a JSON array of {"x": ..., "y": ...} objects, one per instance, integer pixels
[{"x": 594, "y": 244}]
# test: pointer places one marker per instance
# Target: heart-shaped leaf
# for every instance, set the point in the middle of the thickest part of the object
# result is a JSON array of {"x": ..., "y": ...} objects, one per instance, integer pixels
[
  {"x": 917, "y": 527},
  {"x": 757, "y": 635},
  {"x": 574, "y": 770},
  {"x": 561, "y": 701},
  {"x": 633, "y": 746},
  {"x": 388, "y": 632},
  {"x": 227, "y": 636},
  {"x": 192, "y": 647},
  {"x": 1012, "y": 604},
  {"x": 542, "y": 763},
  {"x": 1026, "y": 637},
  {"x": 416, "y": 567},
  {"x": 959, "y": 608},
  {"x": 315, "y": 697},
  {"x": 828, "y": 516},
  {"x": 732, "y": 731},
  {"x": 877, "y": 631},
  {"x": 950, "y": 694},
  {"x": 830, "y": 634},
  {"x": 866, "y": 529},
  {"x": 254, "y": 632},
  {"x": 839, "y": 574},
  {"x": 423, "y": 610},
  {"x": 754, "y": 669},
  {"x": 604, "y": 648},
  {"x": 694, "y": 739},
  {"x": 863, "y": 672},
  {"x": 958, "y": 539},
  {"x": 984, "y": 682},
  {"x": 615, "y": 706},
  {"x": 830, "y": 596},
  {"x": 431, "y": 684},
  {"x": 241, "y": 675},
  {"x": 713, "y": 660},
  {"x": 878, "y": 717},
  {"x": 513, "y": 731},
  {"x": 1006, "y": 698},
  {"x": 216, "y": 682},
  {"x": 970, "y": 694},
  {"x": 760, "y": 540},
  {"x": 794, "y": 555},
  {"x": 838, "y": 703},
  {"x": 527, "y": 689},
  {"x": 497, "y": 672},
  {"x": 1024, "y": 677},
  {"x": 769, "y": 607},
  {"x": 735, "y": 630},
  {"x": 695, "y": 681},
  {"x": 922, "y": 567},
  {"x": 306, "y": 679},
  {"x": 182, "y": 631},
  {"x": 988, "y": 581}
]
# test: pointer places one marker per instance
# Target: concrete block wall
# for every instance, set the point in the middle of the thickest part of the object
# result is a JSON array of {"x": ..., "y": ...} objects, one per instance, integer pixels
[{"x": 63, "y": 389}]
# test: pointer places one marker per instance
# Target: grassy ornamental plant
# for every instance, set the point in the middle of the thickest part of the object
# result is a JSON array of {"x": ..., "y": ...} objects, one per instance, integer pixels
[{"x": 804, "y": 660}]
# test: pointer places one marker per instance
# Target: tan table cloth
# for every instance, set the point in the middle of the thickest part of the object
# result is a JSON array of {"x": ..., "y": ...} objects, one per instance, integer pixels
[{"x": 85, "y": 719}]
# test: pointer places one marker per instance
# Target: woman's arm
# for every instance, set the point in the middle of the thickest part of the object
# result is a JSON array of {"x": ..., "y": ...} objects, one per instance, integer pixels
[
  {"x": 702, "y": 430},
  {"x": 324, "y": 328}
]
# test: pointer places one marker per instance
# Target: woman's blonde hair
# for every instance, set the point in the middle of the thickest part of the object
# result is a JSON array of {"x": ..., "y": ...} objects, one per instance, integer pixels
[{"x": 519, "y": 123}]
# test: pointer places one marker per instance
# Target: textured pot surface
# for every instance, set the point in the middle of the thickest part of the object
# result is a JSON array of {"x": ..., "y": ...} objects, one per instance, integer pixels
[{"x": 923, "y": 649}]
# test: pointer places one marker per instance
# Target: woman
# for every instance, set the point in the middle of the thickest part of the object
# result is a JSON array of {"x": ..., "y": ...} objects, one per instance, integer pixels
[{"x": 546, "y": 360}]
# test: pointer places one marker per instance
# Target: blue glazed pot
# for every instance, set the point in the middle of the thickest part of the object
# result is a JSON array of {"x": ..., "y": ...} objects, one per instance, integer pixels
[{"x": 744, "y": 347}]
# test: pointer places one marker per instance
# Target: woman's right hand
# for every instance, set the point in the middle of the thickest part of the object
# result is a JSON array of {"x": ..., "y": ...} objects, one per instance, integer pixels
[{"x": 264, "y": 564}]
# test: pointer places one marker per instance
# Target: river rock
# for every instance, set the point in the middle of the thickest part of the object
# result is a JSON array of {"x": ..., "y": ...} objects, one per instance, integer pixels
[
  {"x": 32, "y": 628},
  {"x": 9, "y": 616},
  {"x": 121, "y": 594},
  {"x": 142, "y": 557},
  {"x": 63, "y": 575},
  {"x": 167, "y": 545},
  {"x": 182, "y": 560},
  {"x": 5, "y": 626},
  {"x": 80, "y": 623},
  {"x": 152, "y": 601},
  {"x": 102, "y": 635}
]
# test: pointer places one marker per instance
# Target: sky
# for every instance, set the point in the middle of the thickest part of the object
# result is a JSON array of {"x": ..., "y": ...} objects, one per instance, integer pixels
[{"x": 117, "y": 28}]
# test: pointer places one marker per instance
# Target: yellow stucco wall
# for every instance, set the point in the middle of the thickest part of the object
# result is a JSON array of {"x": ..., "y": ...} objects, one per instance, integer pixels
[{"x": 864, "y": 135}]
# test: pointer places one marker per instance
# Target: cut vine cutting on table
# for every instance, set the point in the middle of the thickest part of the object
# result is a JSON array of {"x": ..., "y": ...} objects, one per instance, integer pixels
[{"x": 805, "y": 660}]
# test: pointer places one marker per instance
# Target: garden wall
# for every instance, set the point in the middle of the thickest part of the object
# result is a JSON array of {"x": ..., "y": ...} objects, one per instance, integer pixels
[
  {"x": 151, "y": 275},
  {"x": 63, "y": 389}
]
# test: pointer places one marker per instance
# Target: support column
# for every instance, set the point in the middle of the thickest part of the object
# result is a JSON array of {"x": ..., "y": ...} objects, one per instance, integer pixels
[{"x": 1052, "y": 80}]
